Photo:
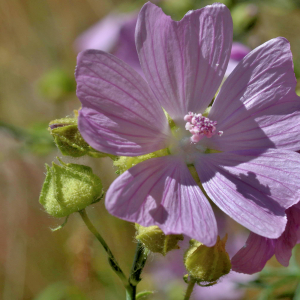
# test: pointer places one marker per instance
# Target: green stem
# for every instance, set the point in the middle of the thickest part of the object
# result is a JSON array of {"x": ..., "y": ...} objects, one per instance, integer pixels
[
  {"x": 111, "y": 259},
  {"x": 189, "y": 289},
  {"x": 139, "y": 261},
  {"x": 130, "y": 292}
]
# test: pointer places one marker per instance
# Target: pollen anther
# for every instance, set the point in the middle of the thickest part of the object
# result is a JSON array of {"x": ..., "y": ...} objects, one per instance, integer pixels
[{"x": 200, "y": 127}]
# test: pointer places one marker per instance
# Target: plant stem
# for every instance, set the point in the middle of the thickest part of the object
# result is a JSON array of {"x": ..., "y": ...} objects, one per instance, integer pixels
[
  {"x": 111, "y": 259},
  {"x": 131, "y": 292},
  {"x": 189, "y": 289},
  {"x": 139, "y": 261}
]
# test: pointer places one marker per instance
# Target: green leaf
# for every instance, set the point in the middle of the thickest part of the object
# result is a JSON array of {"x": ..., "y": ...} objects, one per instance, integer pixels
[{"x": 143, "y": 294}]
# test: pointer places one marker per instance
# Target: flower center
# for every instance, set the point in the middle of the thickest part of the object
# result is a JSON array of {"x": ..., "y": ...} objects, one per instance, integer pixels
[{"x": 200, "y": 127}]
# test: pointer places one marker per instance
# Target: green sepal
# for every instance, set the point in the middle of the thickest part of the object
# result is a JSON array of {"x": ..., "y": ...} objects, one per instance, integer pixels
[{"x": 186, "y": 278}]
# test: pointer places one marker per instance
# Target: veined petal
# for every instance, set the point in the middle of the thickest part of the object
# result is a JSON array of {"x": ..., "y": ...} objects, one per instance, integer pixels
[
  {"x": 254, "y": 255},
  {"x": 184, "y": 62},
  {"x": 288, "y": 240},
  {"x": 161, "y": 191},
  {"x": 256, "y": 101},
  {"x": 253, "y": 187},
  {"x": 119, "y": 113}
]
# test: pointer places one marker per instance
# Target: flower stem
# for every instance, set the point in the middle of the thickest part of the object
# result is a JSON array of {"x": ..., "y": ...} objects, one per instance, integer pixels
[
  {"x": 189, "y": 289},
  {"x": 111, "y": 259},
  {"x": 139, "y": 261}
]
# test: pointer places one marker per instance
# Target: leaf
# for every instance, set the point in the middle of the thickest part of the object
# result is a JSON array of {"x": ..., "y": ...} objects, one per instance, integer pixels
[{"x": 143, "y": 294}]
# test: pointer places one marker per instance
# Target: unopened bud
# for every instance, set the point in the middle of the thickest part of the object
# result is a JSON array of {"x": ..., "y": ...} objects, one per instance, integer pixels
[
  {"x": 69, "y": 188},
  {"x": 207, "y": 264},
  {"x": 69, "y": 140},
  {"x": 155, "y": 240}
]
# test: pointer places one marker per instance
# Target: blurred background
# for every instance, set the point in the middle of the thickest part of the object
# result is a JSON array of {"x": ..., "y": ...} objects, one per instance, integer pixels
[{"x": 39, "y": 42}]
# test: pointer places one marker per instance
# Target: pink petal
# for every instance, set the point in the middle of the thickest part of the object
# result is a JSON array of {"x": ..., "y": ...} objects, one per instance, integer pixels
[
  {"x": 184, "y": 62},
  {"x": 287, "y": 241},
  {"x": 253, "y": 187},
  {"x": 119, "y": 113},
  {"x": 254, "y": 105},
  {"x": 239, "y": 51},
  {"x": 162, "y": 192},
  {"x": 254, "y": 255},
  {"x": 104, "y": 34}
]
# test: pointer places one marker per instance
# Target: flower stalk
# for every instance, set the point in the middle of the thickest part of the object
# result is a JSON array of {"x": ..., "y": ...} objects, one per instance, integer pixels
[
  {"x": 111, "y": 259},
  {"x": 139, "y": 261},
  {"x": 189, "y": 289}
]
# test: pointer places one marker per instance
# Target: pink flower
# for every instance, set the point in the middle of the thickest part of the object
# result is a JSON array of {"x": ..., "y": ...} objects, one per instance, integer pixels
[
  {"x": 250, "y": 171},
  {"x": 258, "y": 250}
]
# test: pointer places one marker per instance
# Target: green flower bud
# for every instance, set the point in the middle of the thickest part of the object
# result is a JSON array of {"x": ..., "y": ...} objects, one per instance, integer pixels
[
  {"x": 69, "y": 140},
  {"x": 69, "y": 188},
  {"x": 155, "y": 240},
  {"x": 207, "y": 264}
]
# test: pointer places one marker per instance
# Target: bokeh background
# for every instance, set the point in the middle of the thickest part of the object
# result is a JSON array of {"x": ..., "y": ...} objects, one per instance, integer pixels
[{"x": 37, "y": 61}]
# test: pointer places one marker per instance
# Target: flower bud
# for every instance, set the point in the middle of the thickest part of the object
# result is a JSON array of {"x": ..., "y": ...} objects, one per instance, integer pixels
[
  {"x": 155, "y": 240},
  {"x": 69, "y": 188},
  {"x": 207, "y": 264},
  {"x": 69, "y": 140}
]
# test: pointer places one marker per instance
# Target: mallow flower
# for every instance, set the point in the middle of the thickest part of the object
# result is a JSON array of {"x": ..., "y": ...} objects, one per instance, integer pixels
[{"x": 242, "y": 148}]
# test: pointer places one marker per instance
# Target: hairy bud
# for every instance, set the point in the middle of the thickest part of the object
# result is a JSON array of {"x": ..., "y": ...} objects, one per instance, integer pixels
[
  {"x": 69, "y": 140},
  {"x": 155, "y": 240},
  {"x": 207, "y": 264},
  {"x": 69, "y": 188}
]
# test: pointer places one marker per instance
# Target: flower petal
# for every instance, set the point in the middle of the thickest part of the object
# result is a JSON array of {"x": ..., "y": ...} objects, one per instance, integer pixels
[
  {"x": 257, "y": 106},
  {"x": 287, "y": 241},
  {"x": 253, "y": 187},
  {"x": 254, "y": 255},
  {"x": 161, "y": 191},
  {"x": 119, "y": 113},
  {"x": 184, "y": 62},
  {"x": 104, "y": 34}
]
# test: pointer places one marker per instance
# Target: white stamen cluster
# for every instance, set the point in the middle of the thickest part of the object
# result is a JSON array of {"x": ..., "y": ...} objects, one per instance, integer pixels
[{"x": 200, "y": 126}]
